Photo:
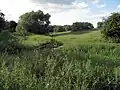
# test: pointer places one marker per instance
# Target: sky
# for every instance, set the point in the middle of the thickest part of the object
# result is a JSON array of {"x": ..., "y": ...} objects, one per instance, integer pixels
[{"x": 62, "y": 11}]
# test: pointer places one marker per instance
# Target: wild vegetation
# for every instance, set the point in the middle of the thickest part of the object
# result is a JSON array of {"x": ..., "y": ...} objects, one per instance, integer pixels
[
  {"x": 111, "y": 27},
  {"x": 38, "y": 56}
]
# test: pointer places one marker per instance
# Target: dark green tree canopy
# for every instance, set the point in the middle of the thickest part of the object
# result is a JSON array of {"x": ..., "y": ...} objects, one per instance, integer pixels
[
  {"x": 59, "y": 28},
  {"x": 12, "y": 26},
  {"x": 111, "y": 27},
  {"x": 34, "y": 22},
  {"x": 67, "y": 27},
  {"x": 99, "y": 24},
  {"x": 78, "y": 26},
  {"x": 2, "y": 21}
]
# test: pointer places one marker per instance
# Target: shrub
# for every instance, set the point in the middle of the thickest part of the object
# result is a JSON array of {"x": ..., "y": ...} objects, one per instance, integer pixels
[
  {"x": 5, "y": 39},
  {"x": 52, "y": 43},
  {"x": 111, "y": 28},
  {"x": 9, "y": 43}
]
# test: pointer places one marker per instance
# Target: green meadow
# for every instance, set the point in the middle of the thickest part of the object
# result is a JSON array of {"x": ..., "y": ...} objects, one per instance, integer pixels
[{"x": 84, "y": 62}]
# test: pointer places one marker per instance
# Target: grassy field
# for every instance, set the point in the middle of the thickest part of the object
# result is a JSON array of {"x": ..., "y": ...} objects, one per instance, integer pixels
[
  {"x": 68, "y": 38},
  {"x": 85, "y": 62}
]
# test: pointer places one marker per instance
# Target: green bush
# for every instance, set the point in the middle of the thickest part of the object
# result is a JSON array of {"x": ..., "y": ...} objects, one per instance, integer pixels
[
  {"x": 111, "y": 28},
  {"x": 52, "y": 43},
  {"x": 6, "y": 38},
  {"x": 9, "y": 43}
]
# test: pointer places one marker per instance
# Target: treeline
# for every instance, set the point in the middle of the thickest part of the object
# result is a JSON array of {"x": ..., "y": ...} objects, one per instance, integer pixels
[
  {"x": 77, "y": 26},
  {"x": 7, "y": 25},
  {"x": 100, "y": 24},
  {"x": 38, "y": 23},
  {"x": 59, "y": 28}
]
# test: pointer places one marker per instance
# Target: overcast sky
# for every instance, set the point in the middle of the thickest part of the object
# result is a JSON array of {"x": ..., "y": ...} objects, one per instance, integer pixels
[{"x": 62, "y": 11}]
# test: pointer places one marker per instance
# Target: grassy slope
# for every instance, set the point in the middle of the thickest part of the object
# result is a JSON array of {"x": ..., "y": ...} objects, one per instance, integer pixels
[
  {"x": 91, "y": 66},
  {"x": 68, "y": 38},
  {"x": 90, "y": 41},
  {"x": 34, "y": 39},
  {"x": 76, "y": 38}
]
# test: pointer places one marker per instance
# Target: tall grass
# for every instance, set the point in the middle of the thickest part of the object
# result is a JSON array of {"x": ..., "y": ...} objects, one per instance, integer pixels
[{"x": 86, "y": 67}]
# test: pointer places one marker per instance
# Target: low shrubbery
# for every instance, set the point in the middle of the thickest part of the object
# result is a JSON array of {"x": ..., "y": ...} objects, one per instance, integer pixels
[
  {"x": 10, "y": 44},
  {"x": 52, "y": 43}
]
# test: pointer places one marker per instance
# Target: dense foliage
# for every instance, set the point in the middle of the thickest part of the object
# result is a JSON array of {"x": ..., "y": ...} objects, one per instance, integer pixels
[
  {"x": 79, "y": 26},
  {"x": 2, "y": 21},
  {"x": 100, "y": 24},
  {"x": 8, "y": 41},
  {"x": 67, "y": 27},
  {"x": 34, "y": 22},
  {"x": 12, "y": 26},
  {"x": 59, "y": 28},
  {"x": 111, "y": 27}
]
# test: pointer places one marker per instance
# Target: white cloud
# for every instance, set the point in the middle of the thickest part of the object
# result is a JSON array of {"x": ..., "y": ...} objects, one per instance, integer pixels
[
  {"x": 70, "y": 16},
  {"x": 60, "y": 13},
  {"x": 101, "y": 5},
  {"x": 15, "y": 8},
  {"x": 53, "y": 1},
  {"x": 118, "y": 6},
  {"x": 96, "y": 17},
  {"x": 79, "y": 5},
  {"x": 78, "y": 15},
  {"x": 95, "y": 1},
  {"x": 52, "y": 7}
]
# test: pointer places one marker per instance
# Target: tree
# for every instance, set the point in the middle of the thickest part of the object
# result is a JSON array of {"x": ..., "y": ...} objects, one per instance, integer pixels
[
  {"x": 111, "y": 27},
  {"x": 34, "y": 22},
  {"x": 12, "y": 26},
  {"x": 58, "y": 28},
  {"x": 80, "y": 26},
  {"x": 76, "y": 26},
  {"x": 99, "y": 24},
  {"x": 67, "y": 27},
  {"x": 87, "y": 25},
  {"x": 2, "y": 21}
]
